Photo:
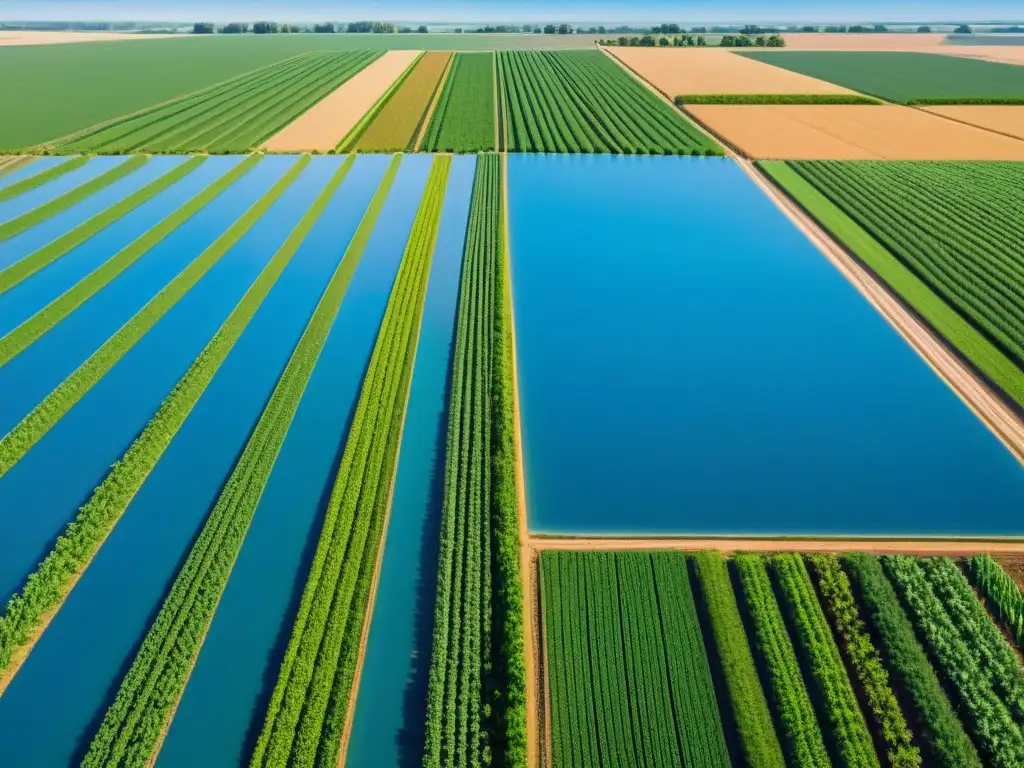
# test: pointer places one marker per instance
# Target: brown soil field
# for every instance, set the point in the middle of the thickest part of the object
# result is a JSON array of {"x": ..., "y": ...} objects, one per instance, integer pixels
[
  {"x": 56, "y": 38},
  {"x": 1008, "y": 120},
  {"x": 395, "y": 125},
  {"x": 330, "y": 120},
  {"x": 675, "y": 71},
  {"x": 891, "y": 41},
  {"x": 845, "y": 132}
]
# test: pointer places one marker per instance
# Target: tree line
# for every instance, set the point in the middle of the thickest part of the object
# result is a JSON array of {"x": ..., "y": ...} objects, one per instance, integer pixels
[{"x": 272, "y": 27}]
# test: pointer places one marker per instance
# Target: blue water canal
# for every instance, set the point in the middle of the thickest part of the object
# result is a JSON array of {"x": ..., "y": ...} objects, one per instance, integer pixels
[
  {"x": 689, "y": 362},
  {"x": 38, "y": 165},
  {"x": 44, "y": 193},
  {"x": 222, "y": 710},
  {"x": 390, "y": 709}
]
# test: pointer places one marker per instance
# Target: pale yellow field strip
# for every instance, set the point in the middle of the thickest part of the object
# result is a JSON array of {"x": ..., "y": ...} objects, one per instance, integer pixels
[
  {"x": 845, "y": 132},
  {"x": 842, "y": 41},
  {"x": 675, "y": 71},
  {"x": 330, "y": 120},
  {"x": 1008, "y": 120},
  {"x": 57, "y": 38},
  {"x": 1001, "y": 54}
]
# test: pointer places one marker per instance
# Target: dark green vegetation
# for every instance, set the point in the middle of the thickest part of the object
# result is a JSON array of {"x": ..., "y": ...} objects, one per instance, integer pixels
[
  {"x": 232, "y": 117},
  {"x": 50, "y": 209},
  {"x": 463, "y": 120},
  {"x": 1001, "y": 593},
  {"x": 46, "y": 588},
  {"x": 945, "y": 236},
  {"x": 905, "y": 77},
  {"x": 38, "y": 179},
  {"x": 37, "y": 423},
  {"x": 476, "y": 706},
  {"x": 629, "y": 674},
  {"x": 150, "y": 690},
  {"x": 778, "y": 98},
  {"x": 306, "y": 714},
  {"x": 582, "y": 101}
]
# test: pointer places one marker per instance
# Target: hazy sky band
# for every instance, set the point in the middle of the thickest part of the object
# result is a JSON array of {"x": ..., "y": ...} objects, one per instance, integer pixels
[{"x": 518, "y": 11}]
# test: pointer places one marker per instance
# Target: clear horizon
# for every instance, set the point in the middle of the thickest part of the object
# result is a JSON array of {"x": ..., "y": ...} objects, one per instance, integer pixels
[{"x": 519, "y": 12}]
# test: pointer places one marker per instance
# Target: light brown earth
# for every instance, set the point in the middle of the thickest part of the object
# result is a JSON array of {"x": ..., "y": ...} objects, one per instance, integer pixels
[
  {"x": 56, "y": 38},
  {"x": 1004, "y": 54},
  {"x": 1007, "y": 120},
  {"x": 675, "y": 71},
  {"x": 891, "y": 41},
  {"x": 851, "y": 132},
  {"x": 330, "y": 120}
]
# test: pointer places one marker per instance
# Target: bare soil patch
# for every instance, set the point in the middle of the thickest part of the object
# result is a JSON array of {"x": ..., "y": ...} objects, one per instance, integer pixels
[
  {"x": 675, "y": 71},
  {"x": 8, "y": 37},
  {"x": 1007, "y": 120},
  {"x": 845, "y": 132},
  {"x": 330, "y": 120},
  {"x": 891, "y": 41}
]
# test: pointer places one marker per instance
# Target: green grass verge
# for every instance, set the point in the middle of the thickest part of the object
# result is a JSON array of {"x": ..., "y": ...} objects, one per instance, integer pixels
[
  {"x": 38, "y": 422},
  {"x": 46, "y": 588},
  {"x": 15, "y": 342},
  {"x": 52, "y": 251},
  {"x": 942, "y": 318},
  {"x": 776, "y": 98},
  {"x": 50, "y": 209},
  {"x": 149, "y": 692},
  {"x": 307, "y": 710},
  {"x": 20, "y": 187},
  {"x": 359, "y": 129}
]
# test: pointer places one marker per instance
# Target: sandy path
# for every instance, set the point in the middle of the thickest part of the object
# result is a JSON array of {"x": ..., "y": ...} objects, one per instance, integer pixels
[
  {"x": 11, "y": 37},
  {"x": 675, "y": 71},
  {"x": 1008, "y": 120},
  {"x": 328, "y": 122},
  {"x": 851, "y": 132},
  {"x": 950, "y": 547}
]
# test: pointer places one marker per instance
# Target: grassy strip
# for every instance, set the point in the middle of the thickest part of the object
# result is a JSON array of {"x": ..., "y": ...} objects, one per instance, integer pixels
[
  {"x": 883, "y": 707},
  {"x": 350, "y": 140},
  {"x": 1005, "y": 599},
  {"x": 20, "y": 338},
  {"x": 774, "y": 98},
  {"x": 52, "y": 251},
  {"x": 758, "y": 741},
  {"x": 30, "y": 430},
  {"x": 930, "y": 711},
  {"x": 51, "y": 208},
  {"x": 1009, "y": 101},
  {"x": 942, "y": 318},
  {"x": 12, "y": 191},
  {"x": 149, "y": 692},
  {"x": 46, "y": 588},
  {"x": 801, "y": 735},
  {"x": 307, "y": 710}
]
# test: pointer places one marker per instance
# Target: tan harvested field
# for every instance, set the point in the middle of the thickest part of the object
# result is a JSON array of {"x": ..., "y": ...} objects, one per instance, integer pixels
[
  {"x": 1008, "y": 120},
  {"x": 59, "y": 38},
  {"x": 330, "y": 120},
  {"x": 844, "y": 132},
  {"x": 1003, "y": 54},
  {"x": 891, "y": 41},
  {"x": 675, "y": 71}
]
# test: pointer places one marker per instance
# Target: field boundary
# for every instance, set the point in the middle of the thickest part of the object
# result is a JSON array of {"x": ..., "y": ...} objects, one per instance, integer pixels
[
  {"x": 425, "y": 118},
  {"x": 949, "y": 546},
  {"x": 924, "y": 108},
  {"x": 352, "y": 137}
]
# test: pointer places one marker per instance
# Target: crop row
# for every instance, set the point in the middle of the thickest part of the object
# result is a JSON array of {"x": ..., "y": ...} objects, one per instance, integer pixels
[
  {"x": 46, "y": 588},
  {"x": 132, "y": 726},
  {"x": 41, "y": 419},
  {"x": 1003, "y": 595},
  {"x": 306, "y": 715},
  {"x": 463, "y": 120},
  {"x": 988, "y": 718},
  {"x": 957, "y": 226},
  {"x": 584, "y": 102},
  {"x": 235, "y": 117}
]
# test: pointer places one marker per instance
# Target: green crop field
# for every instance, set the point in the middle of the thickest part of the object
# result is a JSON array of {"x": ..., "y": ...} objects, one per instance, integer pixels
[
  {"x": 233, "y": 117},
  {"x": 644, "y": 664},
  {"x": 584, "y": 102},
  {"x": 944, "y": 235},
  {"x": 905, "y": 77},
  {"x": 463, "y": 120}
]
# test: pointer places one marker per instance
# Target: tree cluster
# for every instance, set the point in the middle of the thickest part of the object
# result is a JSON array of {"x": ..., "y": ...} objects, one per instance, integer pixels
[
  {"x": 650, "y": 41},
  {"x": 745, "y": 41}
]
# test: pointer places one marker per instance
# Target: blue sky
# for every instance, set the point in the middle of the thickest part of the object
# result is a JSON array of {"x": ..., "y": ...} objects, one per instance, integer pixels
[{"x": 691, "y": 11}]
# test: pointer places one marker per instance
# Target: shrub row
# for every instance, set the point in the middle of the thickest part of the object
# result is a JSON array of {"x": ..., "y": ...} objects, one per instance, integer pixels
[
  {"x": 306, "y": 714},
  {"x": 144, "y": 703}
]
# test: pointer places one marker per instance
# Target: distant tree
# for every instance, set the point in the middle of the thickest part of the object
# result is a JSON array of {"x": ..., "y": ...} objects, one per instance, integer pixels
[
  {"x": 422, "y": 29},
  {"x": 550, "y": 29},
  {"x": 264, "y": 28},
  {"x": 761, "y": 41},
  {"x": 881, "y": 28},
  {"x": 234, "y": 29},
  {"x": 538, "y": 30},
  {"x": 808, "y": 29},
  {"x": 963, "y": 29},
  {"x": 701, "y": 30},
  {"x": 924, "y": 28},
  {"x": 601, "y": 30},
  {"x": 648, "y": 41},
  {"x": 458, "y": 30},
  {"x": 202, "y": 28},
  {"x": 325, "y": 28},
  {"x": 384, "y": 28},
  {"x": 859, "y": 29},
  {"x": 663, "y": 42},
  {"x": 360, "y": 26},
  {"x": 701, "y": 42},
  {"x": 750, "y": 29},
  {"x": 776, "y": 41},
  {"x": 691, "y": 41},
  {"x": 835, "y": 29},
  {"x": 564, "y": 29},
  {"x": 623, "y": 41},
  {"x": 668, "y": 29}
]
